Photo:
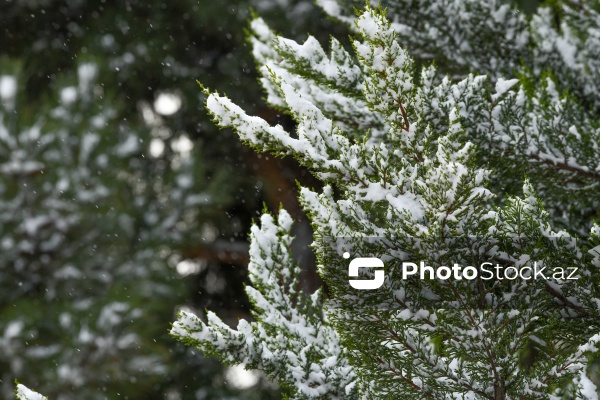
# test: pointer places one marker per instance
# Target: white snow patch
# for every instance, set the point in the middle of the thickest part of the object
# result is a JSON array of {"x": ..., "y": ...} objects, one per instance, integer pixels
[
  {"x": 157, "y": 147},
  {"x": 503, "y": 86},
  {"x": 24, "y": 393},
  {"x": 240, "y": 378},
  {"x": 167, "y": 103},
  {"x": 182, "y": 145},
  {"x": 588, "y": 389},
  {"x": 8, "y": 91},
  {"x": 567, "y": 51},
  {"x": 68, "y": 95},
  {"x": 87, "y": 73},
  {"x": 13, "y": 329}
]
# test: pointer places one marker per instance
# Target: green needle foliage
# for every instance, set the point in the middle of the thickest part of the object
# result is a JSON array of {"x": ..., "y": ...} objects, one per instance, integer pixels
[{"x": 417, "y": 166}]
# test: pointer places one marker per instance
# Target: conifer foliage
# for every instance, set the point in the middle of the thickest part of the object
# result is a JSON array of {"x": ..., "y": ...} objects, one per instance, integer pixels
[{"x": 416, "y": 167}]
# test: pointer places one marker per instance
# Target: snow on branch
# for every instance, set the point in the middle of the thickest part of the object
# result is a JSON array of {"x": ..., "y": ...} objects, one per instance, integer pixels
[
  {"x": 419, "y": 167},
  {"x": 291, "y": 340},
  {"x": 24, "y": 393}
]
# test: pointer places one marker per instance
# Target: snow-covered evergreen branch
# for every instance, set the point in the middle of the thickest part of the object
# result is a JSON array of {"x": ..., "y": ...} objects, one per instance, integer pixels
[
  {"x": 24, "y": 393},
  {"x": 405, "y": 157},
  {"x": 291, "y": 340}
]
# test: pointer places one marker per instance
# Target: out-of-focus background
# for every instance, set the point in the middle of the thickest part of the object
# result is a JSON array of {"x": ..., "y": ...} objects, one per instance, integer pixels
[{"x": 120, "y": 202}]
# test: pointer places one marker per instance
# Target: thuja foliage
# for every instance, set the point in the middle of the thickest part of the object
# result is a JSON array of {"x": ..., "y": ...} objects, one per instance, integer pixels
[
  {"x": 422, "y": 166},
  {"x": 555, "y": 53}
]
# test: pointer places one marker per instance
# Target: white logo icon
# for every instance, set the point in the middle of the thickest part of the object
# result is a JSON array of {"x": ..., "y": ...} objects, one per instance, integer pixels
[{"x": 366, "y": 284}]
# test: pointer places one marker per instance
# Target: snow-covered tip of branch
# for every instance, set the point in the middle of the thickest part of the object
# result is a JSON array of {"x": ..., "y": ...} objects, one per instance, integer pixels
[{"x": 24, "y": 393}]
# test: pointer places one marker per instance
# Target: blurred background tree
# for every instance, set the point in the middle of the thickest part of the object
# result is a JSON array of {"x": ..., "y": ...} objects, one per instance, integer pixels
[{"x": 119, "y": 200}]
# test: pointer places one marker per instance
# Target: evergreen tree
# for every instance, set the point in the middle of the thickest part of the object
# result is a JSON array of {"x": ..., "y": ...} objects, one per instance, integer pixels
[{"x": 421, "y": 167}]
